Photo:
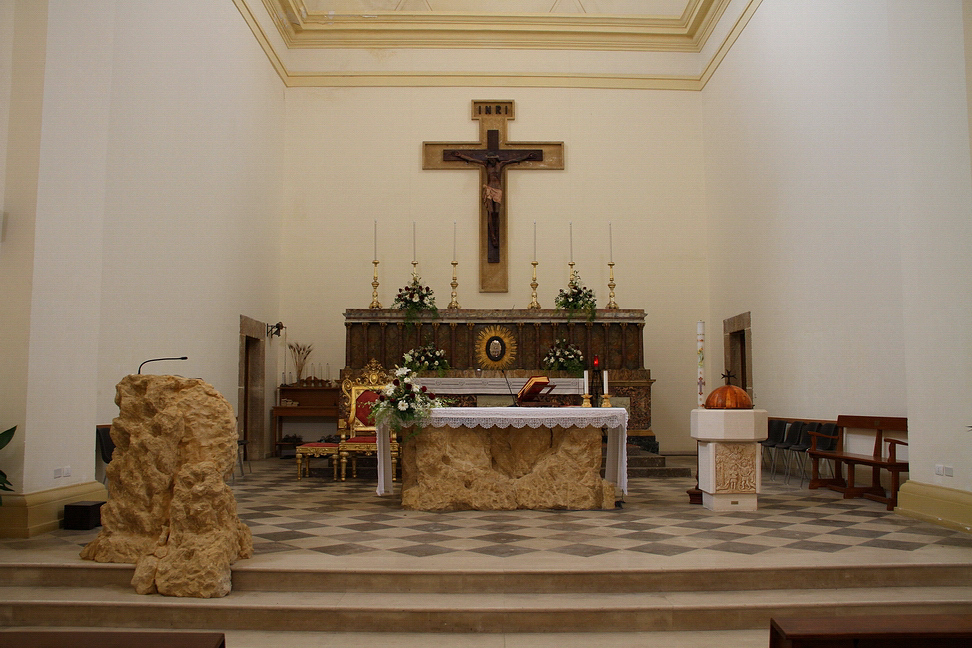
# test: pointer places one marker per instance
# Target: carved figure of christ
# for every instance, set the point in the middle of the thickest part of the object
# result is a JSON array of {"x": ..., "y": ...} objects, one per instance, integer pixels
[
  {"x": 493, "y": 155},
  {"x": 494, "y": 163}
]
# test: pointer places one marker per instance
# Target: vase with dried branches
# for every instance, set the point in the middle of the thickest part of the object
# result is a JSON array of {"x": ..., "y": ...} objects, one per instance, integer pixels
[{"x": 300, "y": 353}]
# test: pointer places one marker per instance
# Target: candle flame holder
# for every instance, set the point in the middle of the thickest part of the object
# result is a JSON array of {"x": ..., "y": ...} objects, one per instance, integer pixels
[
  {"x": 611, "y": 285},
  {"x": 374, "y": 288},
  {"x": 534, "y": 304},
  {"x": 454, "y": 304}
]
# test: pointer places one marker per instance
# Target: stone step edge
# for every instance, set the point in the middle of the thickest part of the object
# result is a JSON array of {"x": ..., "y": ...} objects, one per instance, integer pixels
[
  {"x": 615, "y": 614},
  {"x": 466, "y": 580}
]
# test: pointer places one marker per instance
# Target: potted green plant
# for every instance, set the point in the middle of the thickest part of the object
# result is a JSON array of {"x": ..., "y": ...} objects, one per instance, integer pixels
[{"x": 4, "y": 440}]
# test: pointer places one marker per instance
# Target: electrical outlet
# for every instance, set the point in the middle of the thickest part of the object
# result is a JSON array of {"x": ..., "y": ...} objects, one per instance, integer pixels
[
  {"x": 57, "y": 473},
  {"x": 939, "y": 469},
  {"x": 67, "y": 471},
  {"x": 948, "y": 471}
]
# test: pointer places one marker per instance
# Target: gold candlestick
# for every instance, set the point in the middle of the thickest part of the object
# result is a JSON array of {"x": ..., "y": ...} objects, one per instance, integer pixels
[
  {"x": 374, "y": 288},
  {"x": 572, "y": 272},
  {"x": 606, "y": 400},
  {"x": 587, "y": 401},
  {"x": 455, "y": 284},
  {"x": 534, "y": 304},
  {"x": 414, "y": 268},
  {"x": 611, "y": 285}
]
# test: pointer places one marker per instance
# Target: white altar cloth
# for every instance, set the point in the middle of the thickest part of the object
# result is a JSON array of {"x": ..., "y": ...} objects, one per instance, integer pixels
[{"x": 615, "y": 419}]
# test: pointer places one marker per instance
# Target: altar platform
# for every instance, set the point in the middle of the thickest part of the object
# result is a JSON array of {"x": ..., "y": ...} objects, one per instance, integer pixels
[{"x": 336, "y": 565}]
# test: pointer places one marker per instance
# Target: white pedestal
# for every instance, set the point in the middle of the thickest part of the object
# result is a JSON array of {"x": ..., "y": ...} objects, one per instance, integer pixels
[{"x": 730, "y": 466}]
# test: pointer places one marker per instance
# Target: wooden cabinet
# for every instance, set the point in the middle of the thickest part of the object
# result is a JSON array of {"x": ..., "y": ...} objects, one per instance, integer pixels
[{"x": 298, "y": 401}]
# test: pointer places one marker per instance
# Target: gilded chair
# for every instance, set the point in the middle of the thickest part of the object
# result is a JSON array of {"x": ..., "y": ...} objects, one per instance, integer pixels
[{"x": 359, "y": 391}]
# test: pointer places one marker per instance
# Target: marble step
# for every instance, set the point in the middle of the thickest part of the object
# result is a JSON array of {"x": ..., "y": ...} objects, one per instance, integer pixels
[
  {"x": 458, "y": 580},
  {"x": 115, "y": 606}
]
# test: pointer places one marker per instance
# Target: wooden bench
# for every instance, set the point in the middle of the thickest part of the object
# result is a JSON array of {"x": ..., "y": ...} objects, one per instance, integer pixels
[
  {"x": 876, "y": 460},
  {"x": 109, "y": 639},
  {"x": 872, "y": 631}
]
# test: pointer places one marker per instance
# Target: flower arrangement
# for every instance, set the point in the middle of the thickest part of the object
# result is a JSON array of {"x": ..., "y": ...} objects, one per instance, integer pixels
[
  {"x": 415, "y": 298},
  {"x": 425, "y": 358},
  {"x": 403, "y": 403},
  {"x": 300, "y": 353},
  {"x": 564, "y": 356},
  {"x": 577, "y": 298}
]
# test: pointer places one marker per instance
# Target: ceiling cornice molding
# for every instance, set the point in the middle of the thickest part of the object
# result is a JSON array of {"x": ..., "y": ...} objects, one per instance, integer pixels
[
  {"x": 270, "y": 40},
  {"x": 300, "y": 28}
]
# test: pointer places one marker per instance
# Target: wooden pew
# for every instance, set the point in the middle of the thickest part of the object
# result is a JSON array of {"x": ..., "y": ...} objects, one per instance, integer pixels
[
  {"x": 872, "y": 631},
  {"x": 876, "y": 460}
]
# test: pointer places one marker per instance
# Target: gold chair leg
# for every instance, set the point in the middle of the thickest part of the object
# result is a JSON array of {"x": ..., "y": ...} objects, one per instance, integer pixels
[
  {"x": 344, "y": 465},
  {"x": 394, "y": 467},
  {"x": 354, "y": 466},
  {"x": 334, "y": 465},
  {"x": 299, "y": 459}
]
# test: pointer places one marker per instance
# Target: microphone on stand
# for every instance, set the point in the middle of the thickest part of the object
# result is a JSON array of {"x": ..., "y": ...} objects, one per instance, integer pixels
[
  {"x": 516, "y": 402},
  {"x": 157, "y": 360}
]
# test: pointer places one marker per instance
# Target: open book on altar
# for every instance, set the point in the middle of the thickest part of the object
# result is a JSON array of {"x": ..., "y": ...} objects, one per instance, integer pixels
[{"x": 534, "y": 387}]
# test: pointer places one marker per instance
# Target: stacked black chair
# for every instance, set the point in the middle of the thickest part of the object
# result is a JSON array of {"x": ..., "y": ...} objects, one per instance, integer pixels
[
  {"x": 105, "y": 445},
  {"x": 777, "y": 428},
  {"x": 790, "y": 438},
  {"x": 798, "y": 451}
]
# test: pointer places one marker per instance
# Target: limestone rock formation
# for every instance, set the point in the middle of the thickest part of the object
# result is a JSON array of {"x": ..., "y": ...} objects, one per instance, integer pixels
[
  {"x": 169, "y": 510},
  {"x": 504, "y": 469}
]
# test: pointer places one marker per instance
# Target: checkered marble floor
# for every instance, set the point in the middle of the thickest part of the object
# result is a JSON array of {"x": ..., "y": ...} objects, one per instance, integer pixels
[{"x": 319, "y": 515}]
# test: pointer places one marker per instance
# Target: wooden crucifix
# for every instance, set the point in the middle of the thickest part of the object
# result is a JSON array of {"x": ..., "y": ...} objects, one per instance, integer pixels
[{"x": 493, "y": 155}]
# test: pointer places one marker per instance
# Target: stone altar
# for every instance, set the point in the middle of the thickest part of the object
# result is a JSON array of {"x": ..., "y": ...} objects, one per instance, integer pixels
[{"x": 504, "y": 458}]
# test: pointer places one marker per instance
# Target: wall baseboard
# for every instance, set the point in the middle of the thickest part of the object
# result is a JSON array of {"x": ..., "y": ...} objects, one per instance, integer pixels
[
  {"x": 946, "y": 507},
  {"x": 24, "y": 516}
]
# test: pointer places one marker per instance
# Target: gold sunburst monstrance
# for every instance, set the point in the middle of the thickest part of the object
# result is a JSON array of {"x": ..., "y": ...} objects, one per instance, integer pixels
[{"x": 495, "y": 348}]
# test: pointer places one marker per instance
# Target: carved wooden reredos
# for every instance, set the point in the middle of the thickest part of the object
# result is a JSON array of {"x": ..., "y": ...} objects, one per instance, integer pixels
[{"x": 377, "y": 338}]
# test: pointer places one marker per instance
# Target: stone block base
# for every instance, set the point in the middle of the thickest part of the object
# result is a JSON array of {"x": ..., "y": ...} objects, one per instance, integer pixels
[{"x": 729, "y": 502}]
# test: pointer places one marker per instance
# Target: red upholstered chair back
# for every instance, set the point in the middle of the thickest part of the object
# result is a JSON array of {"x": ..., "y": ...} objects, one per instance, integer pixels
[{"x": 362, "y": 409}]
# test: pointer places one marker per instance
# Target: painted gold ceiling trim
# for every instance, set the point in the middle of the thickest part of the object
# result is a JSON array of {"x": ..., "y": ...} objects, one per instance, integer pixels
[
  {"x": 301, "y": 28},
  {"x": 462, "y": 79},
  {"x": 466, "y": 79}
]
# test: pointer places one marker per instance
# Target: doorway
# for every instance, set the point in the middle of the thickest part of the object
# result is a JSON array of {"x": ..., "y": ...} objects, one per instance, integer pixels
[
  {"x": 738, "y": 352},
  {"x": 251, "y": 402}
]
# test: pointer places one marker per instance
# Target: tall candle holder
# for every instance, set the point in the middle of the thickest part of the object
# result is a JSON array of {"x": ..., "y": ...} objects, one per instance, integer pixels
[
  {"x": 611, "y": 285},
  {"x": 454, "y": 304},
  {"x": 414, "y": 268},
  {"x": 374, "y": 288},
  {"x": 534, "y": 304},
  {"x": 573, "y": 273}
]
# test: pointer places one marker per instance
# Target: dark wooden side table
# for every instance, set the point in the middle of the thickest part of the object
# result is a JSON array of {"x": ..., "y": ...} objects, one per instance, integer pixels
[{"x": 872, "y": 631}]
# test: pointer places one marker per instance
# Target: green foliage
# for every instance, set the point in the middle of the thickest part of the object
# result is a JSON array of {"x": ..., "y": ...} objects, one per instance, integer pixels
[{"x": 4, "y": 440}]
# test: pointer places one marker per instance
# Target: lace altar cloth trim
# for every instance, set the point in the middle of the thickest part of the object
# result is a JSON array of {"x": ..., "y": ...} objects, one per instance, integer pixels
[{"x": 534, "y": 417}]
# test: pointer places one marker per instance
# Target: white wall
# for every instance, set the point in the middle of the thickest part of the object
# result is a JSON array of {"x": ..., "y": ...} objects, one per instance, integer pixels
[
  {"x": 192, "y": 216},
  {"x": 932, "y": 127},
  {"x": 837, "y": 172},
  {"x": 632, "y": 158},
  {"x": 25, "y": 25},
  {"x": 157, "y": 212}
]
